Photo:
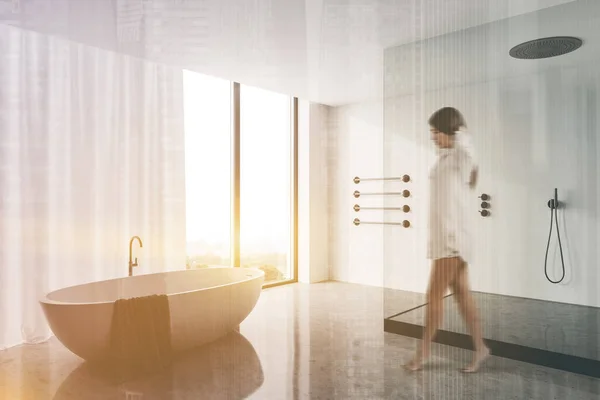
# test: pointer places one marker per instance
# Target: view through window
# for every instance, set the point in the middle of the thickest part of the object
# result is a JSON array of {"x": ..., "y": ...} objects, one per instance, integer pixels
[
  {"x": 207, "y": 111},
  {"x": 265, "y": 186},
  {"x": 266, "y": 165}
]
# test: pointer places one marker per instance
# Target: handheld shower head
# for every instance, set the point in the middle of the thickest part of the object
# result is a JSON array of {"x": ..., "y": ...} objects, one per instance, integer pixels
[{"x": 554, "y": 204}]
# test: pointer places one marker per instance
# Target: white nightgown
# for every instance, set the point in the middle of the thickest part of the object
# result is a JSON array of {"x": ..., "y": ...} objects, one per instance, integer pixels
[{"x": 450, "y": 211}]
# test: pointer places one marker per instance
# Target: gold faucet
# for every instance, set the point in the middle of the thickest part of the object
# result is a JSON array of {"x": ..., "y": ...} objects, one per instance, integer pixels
[{"x": 133, "y": 264}]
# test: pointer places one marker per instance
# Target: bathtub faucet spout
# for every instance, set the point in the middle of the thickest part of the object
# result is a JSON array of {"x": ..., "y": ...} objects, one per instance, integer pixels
[{"x": 133, "y": 263}]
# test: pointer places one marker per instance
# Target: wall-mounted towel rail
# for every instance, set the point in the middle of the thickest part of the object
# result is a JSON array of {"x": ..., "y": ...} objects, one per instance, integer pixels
[
  {"x": 404, "y": 178},
  {"x": 405, "y": 208},
  {"x": 404, "y": 193},
  {"x": 358, "y": 222}
]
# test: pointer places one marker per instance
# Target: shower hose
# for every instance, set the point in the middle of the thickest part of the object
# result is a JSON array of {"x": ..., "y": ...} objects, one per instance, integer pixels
[{"x": 554, "y": 213}]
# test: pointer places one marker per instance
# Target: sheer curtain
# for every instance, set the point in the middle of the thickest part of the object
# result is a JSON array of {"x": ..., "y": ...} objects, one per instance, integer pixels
[{"x": 91, "y": 153}]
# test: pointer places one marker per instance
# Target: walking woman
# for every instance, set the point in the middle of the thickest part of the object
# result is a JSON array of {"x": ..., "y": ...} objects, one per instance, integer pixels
[{"x": 452, "y": 179}]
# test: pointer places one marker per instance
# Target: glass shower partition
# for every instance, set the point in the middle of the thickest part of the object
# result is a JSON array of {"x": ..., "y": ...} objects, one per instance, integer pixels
[{"x": 533, "y": 126}]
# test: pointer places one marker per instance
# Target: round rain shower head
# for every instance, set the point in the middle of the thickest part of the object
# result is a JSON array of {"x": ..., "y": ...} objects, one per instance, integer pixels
[{"x": 545, "y": 48}]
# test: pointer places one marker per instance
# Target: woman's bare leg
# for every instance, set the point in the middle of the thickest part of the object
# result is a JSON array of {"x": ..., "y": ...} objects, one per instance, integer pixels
[
  {"x": 443, "y": 273},
  {"x": 468, "y": 309}
]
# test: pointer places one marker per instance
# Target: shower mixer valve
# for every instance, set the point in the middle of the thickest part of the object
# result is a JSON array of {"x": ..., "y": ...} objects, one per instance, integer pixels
[{"x": 485, "y": 205}]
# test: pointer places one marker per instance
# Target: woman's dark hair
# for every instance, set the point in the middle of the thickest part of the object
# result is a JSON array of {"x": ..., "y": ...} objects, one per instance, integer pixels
[{"x": 447, "y": 120}]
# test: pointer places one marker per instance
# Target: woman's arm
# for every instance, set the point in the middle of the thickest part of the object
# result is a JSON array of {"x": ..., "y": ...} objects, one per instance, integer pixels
[
  {"x": 474, "y": 176},
  {"x": 466, "y": 167},
  {"x": 467, "y": 160}
]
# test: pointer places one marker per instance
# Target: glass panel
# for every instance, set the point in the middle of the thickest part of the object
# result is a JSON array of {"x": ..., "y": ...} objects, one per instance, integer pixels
[
  {"x": 530, "y": 127},
  {"x": 207, "y": 107},
  {"x": 265, "y": 185}
]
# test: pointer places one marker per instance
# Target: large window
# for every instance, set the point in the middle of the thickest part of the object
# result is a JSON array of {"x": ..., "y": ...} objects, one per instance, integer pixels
[
  {"x": 266, "y": 182},
  {"x": 241, "y": 171},
  {"x": 207, "y": 110}
]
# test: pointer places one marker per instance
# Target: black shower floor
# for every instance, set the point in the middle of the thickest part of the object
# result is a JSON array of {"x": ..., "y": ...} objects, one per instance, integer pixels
[{"x": 556, "y": 335}]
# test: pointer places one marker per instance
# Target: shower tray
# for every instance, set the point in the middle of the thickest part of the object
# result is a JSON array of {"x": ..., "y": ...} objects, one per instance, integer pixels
[{"x": 554, "y": 335}]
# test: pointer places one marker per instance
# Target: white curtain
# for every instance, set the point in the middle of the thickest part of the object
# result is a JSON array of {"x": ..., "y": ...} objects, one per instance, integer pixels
[{"x": 91, "y": 153}]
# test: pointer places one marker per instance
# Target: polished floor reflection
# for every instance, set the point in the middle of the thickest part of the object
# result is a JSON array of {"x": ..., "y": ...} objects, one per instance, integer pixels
[
  {"x": 321, "y": 341},
  {"x": 229, "y": 368}
]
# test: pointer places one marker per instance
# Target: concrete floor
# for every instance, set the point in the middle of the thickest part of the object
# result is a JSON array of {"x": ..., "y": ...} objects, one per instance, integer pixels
[{"x": 321, "y": 341}]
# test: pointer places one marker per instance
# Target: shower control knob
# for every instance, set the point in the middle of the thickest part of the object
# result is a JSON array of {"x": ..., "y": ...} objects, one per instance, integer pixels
[
  {"x": 485, "y": 204},
  {"x": 406, "y": 178},
  {"x": 406, "y": 193},
  {"x": 484, "y": 197},
  {"x": 356, "y": 194},
  {"x": 553, "y": 204},
  {"x": 406, "y": 208},
  {"x": 484, "y": 213},
  {"x": 356, "y": 208}
]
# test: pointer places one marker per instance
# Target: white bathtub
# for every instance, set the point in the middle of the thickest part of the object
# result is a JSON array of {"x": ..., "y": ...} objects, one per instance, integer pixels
[{"x": 205, "y": 304}]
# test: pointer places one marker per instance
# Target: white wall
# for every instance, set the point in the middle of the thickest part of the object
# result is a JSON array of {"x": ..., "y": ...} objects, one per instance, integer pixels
[
  {"x": 535, "y": 127},
  {"x": 356, "y": 149},
  {"x": 313, "y": 221},
  {"x": 533, "y": 133}
]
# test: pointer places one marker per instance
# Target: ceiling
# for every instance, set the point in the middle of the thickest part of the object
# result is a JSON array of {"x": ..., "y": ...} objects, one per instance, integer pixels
[
  {"x": 326, "y": 51},
  {"x": 480, "y": 54}
]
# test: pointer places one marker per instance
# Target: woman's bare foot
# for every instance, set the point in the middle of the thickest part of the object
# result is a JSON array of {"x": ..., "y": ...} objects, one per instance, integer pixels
[
  {"x": 479, "y": 357},
  {"x": 416, "y": 364}
]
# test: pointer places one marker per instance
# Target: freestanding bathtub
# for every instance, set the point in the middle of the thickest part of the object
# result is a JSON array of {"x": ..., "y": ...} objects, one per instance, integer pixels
[{"x": 205, "y": 304}]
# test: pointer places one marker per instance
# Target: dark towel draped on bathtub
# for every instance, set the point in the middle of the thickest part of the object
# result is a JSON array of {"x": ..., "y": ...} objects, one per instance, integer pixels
[{"x": 140, "y": 338}]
